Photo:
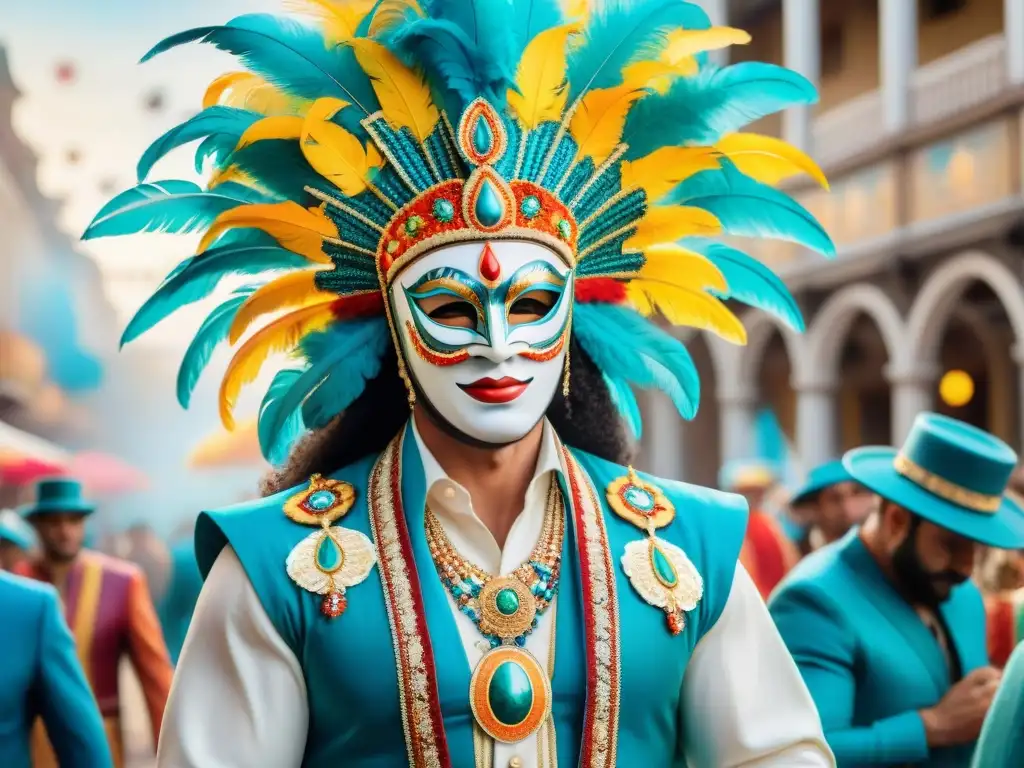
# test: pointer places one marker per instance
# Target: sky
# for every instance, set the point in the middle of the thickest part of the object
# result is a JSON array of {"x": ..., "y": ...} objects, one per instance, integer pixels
[{"x": 89, "y": 132}]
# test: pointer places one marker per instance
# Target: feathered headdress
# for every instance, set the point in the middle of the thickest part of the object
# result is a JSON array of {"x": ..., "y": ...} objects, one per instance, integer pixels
[{"x": 352, "y": 146}]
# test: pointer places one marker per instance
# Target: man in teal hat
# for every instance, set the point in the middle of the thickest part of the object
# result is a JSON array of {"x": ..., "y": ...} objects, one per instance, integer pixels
[
  {"x": 887, "y": 629},
  {"x": 833, "y": 502},
  {"x": 16, "y": 539},
  {"x": 107, "y": 605},
  {"x": 40, "y": 677},
  {"x": 1002, "y": 736}
]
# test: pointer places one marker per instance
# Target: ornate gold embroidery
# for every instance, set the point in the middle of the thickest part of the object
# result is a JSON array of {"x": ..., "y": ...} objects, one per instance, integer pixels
[{"x": 978, "y": 502}]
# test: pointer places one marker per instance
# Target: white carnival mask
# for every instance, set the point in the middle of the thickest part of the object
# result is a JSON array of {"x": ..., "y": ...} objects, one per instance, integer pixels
[{"x": 484, "y": 330}]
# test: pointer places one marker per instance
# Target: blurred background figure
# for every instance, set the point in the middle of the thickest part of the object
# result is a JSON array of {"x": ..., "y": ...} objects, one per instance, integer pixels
[
  {"x": 1001, "y": 577},
  {"x": 1002, "y": 736},
  {"x": 185, "y": 583},
  {"x": 16, "y": 540},
  {"x": 768, "y": 553},
  {"x": 886, "y": 626},
  {"x": 107, "y": 605},
  {"x": 830, "y": 502}
]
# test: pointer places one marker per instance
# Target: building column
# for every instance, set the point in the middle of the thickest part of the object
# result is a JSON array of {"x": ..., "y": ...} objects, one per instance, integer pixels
[
  {"x": 718, "y": 13},
  {"x": 1013, "y": 23},
  {"x": 801, "y": 41},
  {"x": 736, "y": 423},
  {"x": 662, "y": 437},
  {"x": 816, "y": 440},
  {"x": 911, "y": 394},
  {"x": 1017, "y": 353},
  {"x": 897, "y": 51}
]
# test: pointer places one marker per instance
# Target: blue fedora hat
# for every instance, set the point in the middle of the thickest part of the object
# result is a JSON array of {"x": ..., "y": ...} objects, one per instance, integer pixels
[
  {"x": 58, "y": 494},
  {"x": 951, "y": 474},
  {"x": 821, "y": 477}
]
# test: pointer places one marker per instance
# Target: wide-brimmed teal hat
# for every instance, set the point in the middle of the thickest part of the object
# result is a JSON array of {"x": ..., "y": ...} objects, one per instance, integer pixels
[
  {"x": 821, "y": 477},
  {"x": 58, "y": 494},
  {"x": 951, "y": 474}
]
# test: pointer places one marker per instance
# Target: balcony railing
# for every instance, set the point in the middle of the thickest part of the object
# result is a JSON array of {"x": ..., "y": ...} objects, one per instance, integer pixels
[{"x": 945, "y": 87}]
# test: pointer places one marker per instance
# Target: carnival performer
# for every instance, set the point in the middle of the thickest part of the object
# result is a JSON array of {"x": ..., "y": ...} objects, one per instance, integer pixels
[
  {"x": 1002, "y": 736},
  {"x": 476, "y": 210},
  {"x": 40, "y": 677},
  {"x": 886, "y": 625},
  {"x": 107, "y": 605}
]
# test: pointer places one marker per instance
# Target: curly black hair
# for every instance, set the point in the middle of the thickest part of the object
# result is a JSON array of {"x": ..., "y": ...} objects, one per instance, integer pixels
[{"x": 587, "y": 419}]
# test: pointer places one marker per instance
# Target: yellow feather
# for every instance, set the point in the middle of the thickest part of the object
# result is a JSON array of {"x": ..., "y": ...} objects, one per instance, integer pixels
[
  {"x": 246, "y": 90},
  {"x": 340, "y": 19},
  {"x": 391, "y": 12},
  {"x": 299, "y": 230},
  {"x": 577, "y": 10},
  {"x": 339, "y": 156},
  {"x": 659, "y": 172},
  {"x": 279, "y": 336},
  {"x": 675, "y": 265},
  {"x": 404, "y": 96},
  {"x": 684, "y": 43},
  {"x": 296, "y": 289},
  {"x": 231, "y": 173},
  {"x": 598, "y": 121},
  {"x": 541, "y": 78},
  {"x": 767, "y": 159},
  {"x": 224, "y": 84},
  {"x": 658, "y": 75},
  {"x": 277, "y": 127},
  {"x": 669, "y": 224},
  {"x": 686, "y": 306}
]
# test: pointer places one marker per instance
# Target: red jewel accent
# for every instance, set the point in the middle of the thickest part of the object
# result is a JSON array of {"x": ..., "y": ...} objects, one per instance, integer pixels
[
  {"x": 333, "y": 605},
  {"x": 675, "y": 623},
  {"x": 490, "y": 267}
]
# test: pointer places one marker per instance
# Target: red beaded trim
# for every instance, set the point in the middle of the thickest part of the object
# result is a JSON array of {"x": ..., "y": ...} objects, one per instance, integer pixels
[
  {"x": 601, "y": 620},
  {"x": 543, "y": 355},
  {"x": 428, "y": 355}
]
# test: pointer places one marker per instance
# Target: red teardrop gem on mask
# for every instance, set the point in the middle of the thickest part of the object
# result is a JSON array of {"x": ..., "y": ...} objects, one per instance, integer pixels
[{"x": 490, "y": 268}]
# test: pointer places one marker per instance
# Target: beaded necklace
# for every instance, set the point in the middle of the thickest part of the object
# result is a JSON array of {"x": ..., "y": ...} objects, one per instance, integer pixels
[{"x": 505, "y": 609}]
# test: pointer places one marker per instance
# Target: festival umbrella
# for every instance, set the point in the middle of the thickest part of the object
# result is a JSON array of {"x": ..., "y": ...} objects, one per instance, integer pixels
[
  {"x": 238, "y": 448},
  {"x": 25, "y": 471},
  {"x": 101, "y": 473}
]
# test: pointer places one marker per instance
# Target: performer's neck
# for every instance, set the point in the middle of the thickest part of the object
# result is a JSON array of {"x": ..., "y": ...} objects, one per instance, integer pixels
[{"x": 496, "y": 478}]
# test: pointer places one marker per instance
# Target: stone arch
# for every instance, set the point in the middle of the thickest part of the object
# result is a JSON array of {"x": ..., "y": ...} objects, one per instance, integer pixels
[
  {"x": 832, "y": 323},
  {"x": 745, "y": 362},
  {"x": 937, "y": 299}
]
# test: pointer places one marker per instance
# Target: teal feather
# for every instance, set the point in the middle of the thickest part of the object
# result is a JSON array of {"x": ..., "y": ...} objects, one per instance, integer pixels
[
  {"x": 248, "y": 252},
  {"x": 531, "y": 18},
  {"x": 287, "y": 427},
  {"x": 280, "y": 167},
  {"x": 625, "y": 403},
  {"x": 750, "y": 209},
  {"x": 621, "y": 31},
  {"x": 292, "y": 56},
  {"x": 751, "y": 282},
  {"x": 344, "y": 358},
  {"x": 167, "y": 206},
  {"x": 212, "y": 332},
  {"x": 218, "y": 146},
  {"x": 625, "y": 345},
  {"x": 703, "y": 108},
  {"x": 226, "y": 122},
  {"x": 465, "y": 47}
]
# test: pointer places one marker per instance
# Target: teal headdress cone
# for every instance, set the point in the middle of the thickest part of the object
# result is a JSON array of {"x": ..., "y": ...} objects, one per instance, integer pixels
[
  {"x": 950, "y": 473},
  {"x": 63, "y": 494}
]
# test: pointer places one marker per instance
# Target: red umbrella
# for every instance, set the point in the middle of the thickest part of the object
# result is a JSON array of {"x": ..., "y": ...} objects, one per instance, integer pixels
[
  {"x": 27, "y": 471},
  {"x": 101, "y": 473}
]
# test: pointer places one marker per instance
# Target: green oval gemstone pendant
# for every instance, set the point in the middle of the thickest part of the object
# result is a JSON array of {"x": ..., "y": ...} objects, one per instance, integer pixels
[
  {"x": 510, "y": 694},
  {"x": 507, "y": 602},
  {"x": 329, "y": 557},
  {"x": 664, "y": 571}
]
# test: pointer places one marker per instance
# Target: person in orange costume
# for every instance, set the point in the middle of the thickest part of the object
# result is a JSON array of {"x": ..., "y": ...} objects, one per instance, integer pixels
[
  {"x": 767, "y": 554},
  {"x": 107, "y": 605}
]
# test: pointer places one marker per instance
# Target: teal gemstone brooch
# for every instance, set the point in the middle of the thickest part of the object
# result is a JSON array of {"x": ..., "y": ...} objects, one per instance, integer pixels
[
  {"x": 659, "y": 571},
  {"x": 330, "y": 560}
]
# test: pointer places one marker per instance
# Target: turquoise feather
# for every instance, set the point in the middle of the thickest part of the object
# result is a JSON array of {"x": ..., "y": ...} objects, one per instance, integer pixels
[
  {"x": 211, "y": 333},
  {"x": 751, "y": 282},
  {"x": 625, "y": 403},
  {"x": 275, "y": 450},
  {"x": 226, "y": 122},
  {"x": 249, "y": 252},
  {"x": 627, "y": 346},
  {"x": 751, "y": 209},
  {"x": 288, "y": 54},
  {"x": 280, "y": 167},
  {"x": 167, "y": 206},
  {"x": 218, "y": 147},
  {"x": 621, "y": 31},
  {"x": 703, "y": 108},
  {"x": 365, "y": 341},
  {"x": 531, "y": 18},
  {"x": 342, "y": 359}
]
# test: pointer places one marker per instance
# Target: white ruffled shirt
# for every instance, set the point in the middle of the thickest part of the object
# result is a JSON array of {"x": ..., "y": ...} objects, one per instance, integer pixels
[{"x": 239, "y": 697}]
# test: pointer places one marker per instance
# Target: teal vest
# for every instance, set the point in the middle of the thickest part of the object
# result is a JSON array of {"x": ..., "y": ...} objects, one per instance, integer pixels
[{"x": 354, "y": 668}]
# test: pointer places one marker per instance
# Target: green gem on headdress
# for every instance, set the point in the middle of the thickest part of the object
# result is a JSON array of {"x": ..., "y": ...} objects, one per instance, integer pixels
[
  {"x": 530, "y": 206},
  {"x": 444, "y": 211},
  {"x": 413, "y": 225},
  {"x": 564, "y": 229}
]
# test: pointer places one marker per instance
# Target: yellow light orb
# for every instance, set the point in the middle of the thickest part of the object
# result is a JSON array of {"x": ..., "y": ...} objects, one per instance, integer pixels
[{"x": 956, "y": 388}]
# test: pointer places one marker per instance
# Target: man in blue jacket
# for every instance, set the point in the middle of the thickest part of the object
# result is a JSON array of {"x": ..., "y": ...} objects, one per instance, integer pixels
[
  {"x": 41, "y": 677},
  {"x": 887, "y": 629}
]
